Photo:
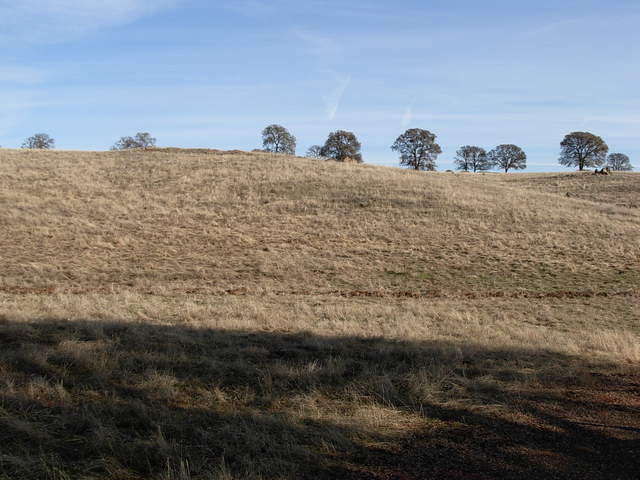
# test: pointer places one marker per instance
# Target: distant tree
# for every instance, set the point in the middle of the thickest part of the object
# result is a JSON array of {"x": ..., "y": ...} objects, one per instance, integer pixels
[
  {"x": 125, "y": 143},
  {"x": 315, "y": 151},
  {"x": 39, "y": 141},
  {"x": 277, "y": 139},
  {"x": 583, "y": 150},
  {"x": 472, "y": 159},
  {"x": 342, "y": 146},
  {"x": 418, "y": 149},
  {"x": 620, "y": 162},
  {"x": 141, "y": 140},
  {"x": 508, "y": 157}
]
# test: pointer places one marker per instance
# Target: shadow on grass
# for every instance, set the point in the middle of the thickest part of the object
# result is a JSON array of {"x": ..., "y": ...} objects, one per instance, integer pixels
[{"x": 123, "y": 400}]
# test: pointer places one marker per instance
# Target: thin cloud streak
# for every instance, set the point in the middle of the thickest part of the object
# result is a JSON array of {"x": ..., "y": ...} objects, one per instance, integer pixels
[
  {"x": 55, "y": 21},
  {"x": 333, "y": 99},
  {"x": 407, "y": 117},
  {"x": 326, "y": 52},
  {"x": 21, "y": 75},
  {"x": 584, "y": 24}
]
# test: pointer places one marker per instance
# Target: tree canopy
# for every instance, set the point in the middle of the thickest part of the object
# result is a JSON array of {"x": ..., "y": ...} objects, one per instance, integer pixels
[
  {"x": 39, "y": 141},
  {"x": 342, "y": 146},
  {"x": 418, "y": 149},
  {"x": 583, "y": 150},
  {"x": 141, "y": 140},
  {"x": 277, "y": 139},
  {"x": 619, "y": 162},
  {"x": 508, "y": 157},
  {"x": 472, "y": 159},
  {"x": 314, "y": 151}
]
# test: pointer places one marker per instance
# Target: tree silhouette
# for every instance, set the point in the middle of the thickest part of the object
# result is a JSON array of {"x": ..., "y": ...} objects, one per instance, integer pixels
[
  {"x": 342, "y": 146},
  {"x": 277, "y": 139},
  {"x": 508, "y": 157},
  {"x": 583, "y": 150},
  {"x": 472, "y": 159},
  {"x": 39, "y": 141},
  {"x": 418, "y": 149},
  {"x": 619, "y": 162},
  {"x": 141, "y": 140},
  {"x": 315, "y": 151}
]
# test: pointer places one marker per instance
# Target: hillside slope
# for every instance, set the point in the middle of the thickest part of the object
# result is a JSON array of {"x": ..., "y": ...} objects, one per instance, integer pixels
[
  {"x": 262, "y": 223},
  {"x": 620, "y": 189},
  {"x": 206, "y": 315}
]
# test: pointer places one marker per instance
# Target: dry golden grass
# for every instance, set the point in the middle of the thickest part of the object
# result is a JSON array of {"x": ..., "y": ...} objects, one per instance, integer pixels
[
  {"x": 620, "y": 189},
  {"x": 167, "y": 222},
  {"x": 210, "y": 315}
]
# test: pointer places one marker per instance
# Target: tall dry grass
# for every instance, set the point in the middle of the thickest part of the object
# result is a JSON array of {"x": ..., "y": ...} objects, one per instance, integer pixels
[
  {"x": 212, "y": 315},
  {"x": 158, "y": 221}
]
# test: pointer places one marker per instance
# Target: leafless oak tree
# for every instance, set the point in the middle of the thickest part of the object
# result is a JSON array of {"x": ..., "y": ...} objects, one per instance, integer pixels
[
  {"x": 39, "y": 141},
  {"x": 342, "y": 146},
  {"x": 472, "y": 159},
  {"x": 583, "y": 150},
  {"x": 508, "y": 157},
  {"x": 141, "y": 140},
  {"x": 314, "y": 151},
  {"x": 277, "y": 139},
  {"x": 619, "y": 162},
  {"x": 418, "y": 149}
]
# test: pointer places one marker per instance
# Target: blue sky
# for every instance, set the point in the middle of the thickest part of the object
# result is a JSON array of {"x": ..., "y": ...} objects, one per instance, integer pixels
[{"x": 198, "y": 73}]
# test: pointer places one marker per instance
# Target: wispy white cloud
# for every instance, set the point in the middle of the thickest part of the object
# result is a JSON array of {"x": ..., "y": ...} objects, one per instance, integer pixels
[
  {"x": 333, "y": 99},
  {"x": 324, "y": 49},
  {"x": 15, "y": 105},
  {"x": 625, "y": 119},
  {"x": 549, "y": 28},
  {"x": 327, "y": 53},
  {"x": 407, "y": 117},
  {"x": 21, "y": 75},
  {"x": 24, "y": 22},
  {"x": 18, "y": 87},
  {"x": 59, "y": 20},
  {"x": 588, "y": 26},
  {"x": 253, "y": 8}
]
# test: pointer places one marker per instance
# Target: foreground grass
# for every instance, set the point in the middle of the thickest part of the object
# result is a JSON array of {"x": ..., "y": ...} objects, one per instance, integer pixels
[
  {"x": 315, "y": 388},
  {"x": 212, "y": 316}
]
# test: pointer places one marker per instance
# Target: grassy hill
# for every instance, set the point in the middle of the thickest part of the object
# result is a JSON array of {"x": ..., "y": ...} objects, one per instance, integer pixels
[{"x": 201, "y": 314}]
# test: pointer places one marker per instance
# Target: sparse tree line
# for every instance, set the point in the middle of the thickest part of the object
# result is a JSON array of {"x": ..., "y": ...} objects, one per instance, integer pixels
[
  {"x": 42, "y": 141},
  {"x": 340, "y": 145},
  {"x": 417, "y": 149},
  {"x": 141, "y": 140}
]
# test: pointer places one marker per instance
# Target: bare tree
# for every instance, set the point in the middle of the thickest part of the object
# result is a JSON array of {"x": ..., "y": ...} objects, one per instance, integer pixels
[
  {"x": 277, "y": 139},
  {"x": 39, "y": 141},
  {"x": 619, "y": 162},
  {"x": 342, "y": 146},
  {"x": 315, "y": 151},
  {"x": 508, "y": 157},
  {"x": 583, "y": 150},
  {"x": 141, "y": 140},
  {"x": 472, "y": 159},
  {"x": 418, "y": 149}
]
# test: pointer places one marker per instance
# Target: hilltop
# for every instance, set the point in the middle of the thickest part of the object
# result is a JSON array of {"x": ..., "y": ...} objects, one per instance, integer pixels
[
  {"x": 207, "y": 314},
  {"x": 211, "y": 222}
]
